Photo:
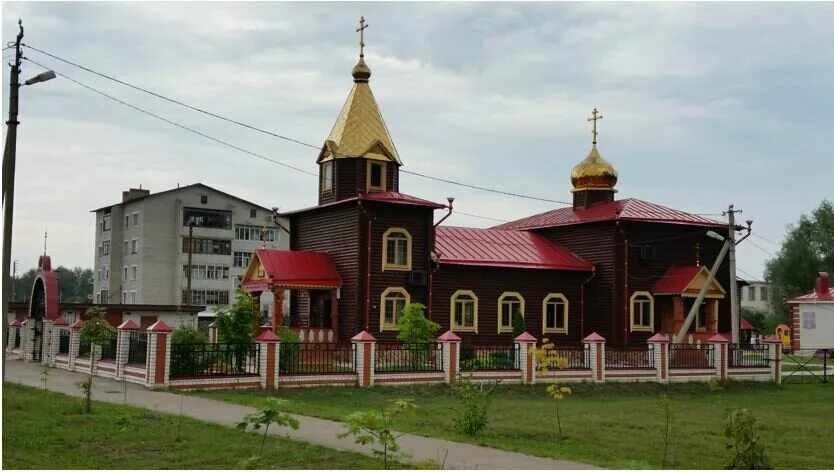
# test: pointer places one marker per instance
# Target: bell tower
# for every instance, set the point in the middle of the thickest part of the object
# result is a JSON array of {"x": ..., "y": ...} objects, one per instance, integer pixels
[{"x": 359, "y": 155}]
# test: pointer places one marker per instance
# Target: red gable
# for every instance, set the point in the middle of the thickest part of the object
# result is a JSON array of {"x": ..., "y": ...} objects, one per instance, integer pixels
[
  {"x": 684, "y": 280},
  {"x": 629, "y": 209},
  {"x": 303, "y": 269},
  {"x": 500, "y": 248}
]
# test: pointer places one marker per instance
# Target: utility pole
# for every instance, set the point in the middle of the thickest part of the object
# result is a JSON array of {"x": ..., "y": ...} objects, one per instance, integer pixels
[
  {"x": 731, "y": 213},
  {"x": 189, "y": 299},
  {"x": 14, "y": 279},
  {"x": 8, "y": 181}
]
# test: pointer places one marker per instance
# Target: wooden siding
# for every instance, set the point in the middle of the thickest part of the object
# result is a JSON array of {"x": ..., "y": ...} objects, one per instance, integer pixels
[
  {"x": 489, "y": 283},
  {"x": 334, "y": 230},
  {"x": 594, "y": 243},
  {"x": 350, "y": 179},
  {"x": 418, "y": 221}
]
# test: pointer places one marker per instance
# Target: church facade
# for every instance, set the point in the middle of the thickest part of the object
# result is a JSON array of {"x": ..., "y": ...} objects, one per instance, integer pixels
[{"x": 623, "y": 268}]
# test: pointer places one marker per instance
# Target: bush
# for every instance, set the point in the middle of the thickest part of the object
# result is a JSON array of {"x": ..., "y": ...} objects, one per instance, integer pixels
[
  {"x": 187, "y": 335},
  {"x": 744, "y": 441},
  {"x": 414, "y": 327},
  {"x": 289, "y": 349},
  {"x": 473, "y": 400},
  {"x": 518, "y": 324}
]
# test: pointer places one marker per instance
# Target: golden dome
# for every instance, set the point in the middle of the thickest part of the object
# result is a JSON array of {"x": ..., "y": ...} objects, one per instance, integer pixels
[
  {"x": 361, "y": 71},
  {"x": 594, "y": 173}
]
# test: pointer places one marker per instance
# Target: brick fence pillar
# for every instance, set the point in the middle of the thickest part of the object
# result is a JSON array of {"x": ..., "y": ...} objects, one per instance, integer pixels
[
  {"x": 75, "y": 341},
  {"x": 57, "y": 326},
  {"x": 721, "y": 350},
  {"x": 365, "y": 345},
  {"x": 159, "y": 355},
  {"x": 268, "y": 346},
  {"x": 774, "y": 345},
  {"x": 660, "y": 348},
  {"x": 212, "y": 332},
  {"x": 123, "y": 332},
  {"x": 526, "y": 359},
  {"x": 27, "y": 340},
  {"x": 450, "y": 343},
  {"x": 47, "y": 343},
  {"x": 14, "y": 330},
  {"x": 597, "y": 351}
]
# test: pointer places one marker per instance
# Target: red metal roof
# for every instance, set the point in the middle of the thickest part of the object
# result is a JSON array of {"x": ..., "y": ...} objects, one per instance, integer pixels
[
  {"x": 814, "y": 297},
  {"x": 400, "y": 198},
  {"x": 296, "y": 269},
  {"x": 745, "y": 325},
  {"x": 629, "y": 209},
  {"x": 676, "y": 279},
  {"x": 502, "y": 248}
]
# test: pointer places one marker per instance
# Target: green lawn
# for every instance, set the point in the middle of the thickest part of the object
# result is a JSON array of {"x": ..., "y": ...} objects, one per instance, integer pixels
[
  {"x": 613, "y": 425},
  {"x": 45, "y": 430}
]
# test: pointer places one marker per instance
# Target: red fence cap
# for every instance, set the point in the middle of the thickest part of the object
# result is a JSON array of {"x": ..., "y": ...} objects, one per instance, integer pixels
[
  {"x": 526, "y": 337},
  {"x": 267, "y": 336},
  {"x": 128, "y": 325},
  {"x": 659, "y": 338},
  {"x": 159, "y": 327},
  {"x": 594, "y": 338},
  {"x": 449, "y": 336},
  {"x": 60, "y": 321},
  {"x": 77, "y": 325},
  {"x": 363, "y": 337}
]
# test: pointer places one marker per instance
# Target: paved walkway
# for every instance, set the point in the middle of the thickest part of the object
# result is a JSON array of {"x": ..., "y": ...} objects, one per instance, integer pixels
[{"x": 312, "y": 430}]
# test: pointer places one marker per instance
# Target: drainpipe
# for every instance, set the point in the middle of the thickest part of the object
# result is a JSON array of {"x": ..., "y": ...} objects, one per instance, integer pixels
[
  {"x": 368, "y": 269},
  {"x": 431, "y": 270},
  {"x": 582, "y": 303},
  {"x": 626, "y": 323}
]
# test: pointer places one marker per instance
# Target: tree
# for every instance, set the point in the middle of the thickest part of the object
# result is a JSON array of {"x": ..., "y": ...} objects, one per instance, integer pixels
[
  {"x": 472, "y": 413},
  {"x": 548, "y": 358},
  {"x": 95, "y": 331},
  {"x": 519, "y": 326},
  {"x": 234, "y": 326},
  {"x": 272, "y": 411},
  {"x": 808, "y": 249},
  {"x": 414, "y": 327},
  {"x": 744, "y": 441},
  {"x": 374, "y": 427}
]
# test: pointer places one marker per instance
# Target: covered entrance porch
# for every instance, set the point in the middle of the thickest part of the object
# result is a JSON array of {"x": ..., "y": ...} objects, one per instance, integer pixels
[
  {"x": 675, "y": 294},
  {"x": 313, "y": 283}
]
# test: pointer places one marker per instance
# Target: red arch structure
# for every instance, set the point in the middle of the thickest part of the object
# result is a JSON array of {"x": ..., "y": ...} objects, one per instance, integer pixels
[{"x": 43, "y": 304}]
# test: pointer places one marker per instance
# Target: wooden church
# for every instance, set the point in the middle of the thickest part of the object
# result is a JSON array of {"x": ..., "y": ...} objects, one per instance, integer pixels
[{"x": 625, "y": 269}]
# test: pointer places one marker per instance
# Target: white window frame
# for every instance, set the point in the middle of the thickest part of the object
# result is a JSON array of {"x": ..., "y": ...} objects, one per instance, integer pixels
[
  {"x": 134, "y": 270},
  {"x": 556, "y": 299},
  {"x": 518, "y": 299},
  {"x": 453, "y": 311},
  {"x": 387, "y": 298},
  {"x": 133, "y": 297},
  {"x": 134, "y": 246}
]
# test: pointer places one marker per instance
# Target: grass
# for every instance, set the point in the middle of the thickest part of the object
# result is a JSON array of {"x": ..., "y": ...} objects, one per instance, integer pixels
[
  {"x": 45, "y": 430},
  {"x": 612, "y": 425}
]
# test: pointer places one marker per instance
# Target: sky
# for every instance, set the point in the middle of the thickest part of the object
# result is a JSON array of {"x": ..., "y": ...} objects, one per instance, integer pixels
[{"x": 704, "y": 105}]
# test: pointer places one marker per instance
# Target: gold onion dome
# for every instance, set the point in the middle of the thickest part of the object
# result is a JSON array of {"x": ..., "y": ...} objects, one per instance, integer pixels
[
  {"x": 594, "y": 173},
  {"x": 361, "y": 72}
]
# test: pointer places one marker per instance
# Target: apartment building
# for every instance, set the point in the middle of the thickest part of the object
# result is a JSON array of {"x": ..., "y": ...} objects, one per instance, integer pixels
[
  {"x": 755, "y": 296},
  {"x": 142, "y": 246}
]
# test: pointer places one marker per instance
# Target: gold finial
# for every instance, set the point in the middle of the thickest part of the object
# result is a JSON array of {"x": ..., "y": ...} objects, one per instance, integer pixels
[
  {"x": 594, "y": 117},
  {"x": 361, "y": 31}
]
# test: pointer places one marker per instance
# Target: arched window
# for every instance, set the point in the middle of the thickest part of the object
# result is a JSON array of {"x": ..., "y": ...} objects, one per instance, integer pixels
[
  {"x": 642, "y": 312},
  {"x": 509, "y": 303},
  {"x": 464, "y": 311},
  {"x": 391, "y": 305},
  {"x": 396, "y": 249},
  {"x": 555, "y": 314}
]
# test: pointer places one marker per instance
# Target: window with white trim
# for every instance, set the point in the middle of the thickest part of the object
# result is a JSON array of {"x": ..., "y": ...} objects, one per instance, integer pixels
[
  {"x": 555, "y": 314},
  {"x": 392, "y": 303},
  {"x": 133, "y": 272},
  {"x": 509, "y": 303},
  {"x": 242, "y": 258},
  {"x": 396, "y": 249},
  {"x": 133, "y": 296},
  {"x": 134, "y": 246},
  {"x": 105, "y": 248},
  {"x": 642, "y": 312},
  {"x": 464, "y": 311}
]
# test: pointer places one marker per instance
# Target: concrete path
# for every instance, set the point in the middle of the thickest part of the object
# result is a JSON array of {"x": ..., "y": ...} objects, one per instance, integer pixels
[{"x": 312, "y": 430}]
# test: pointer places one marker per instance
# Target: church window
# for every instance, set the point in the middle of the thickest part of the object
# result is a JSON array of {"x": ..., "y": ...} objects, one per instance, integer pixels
[
  {"x": 642, "y": 312},
  {"x": 327, "y": 177},
  {"x": 464, "y": 311},
  {"x": 509, "y": 303},
  {"x": 393, "y": 301},
  {"x": 396, "y": 248},
  {"x": 376, "y": 176},
  {"x": 701, "y": 317},
  {"x": 555, "y": 314}
]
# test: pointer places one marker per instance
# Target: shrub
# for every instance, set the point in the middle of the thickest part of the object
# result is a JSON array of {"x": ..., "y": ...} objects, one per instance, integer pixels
[
  {"x": 744, "y": 441},
  {"x": 414, "y": 327},
  {"x": 187, "y": 335},
  {"x": 289, "y": 348},
  {"x": 96, "y": 332},
  {"x": 473, "y": 403},
  {"x": 518, "y": 324}
]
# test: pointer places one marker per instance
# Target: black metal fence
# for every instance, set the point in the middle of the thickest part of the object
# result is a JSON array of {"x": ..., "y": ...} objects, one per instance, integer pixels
[
  {"x": 137, "y": 350},
  {"x": 214, "y": 360},
  {"x": 578, "y": 357},
  {"x": 636, "y": 357},
  {"x": 83, "y": 349},
  {"x": 745, "y": 355},
  {"x": 691, "y": 356},
  {"x": 413, "y": 357},
  {"x": 63, "y": 341},
  {"x": 109, "y": 348},
  {"x": 316, "y": 358},
  {"x": 490, "y": 358}
]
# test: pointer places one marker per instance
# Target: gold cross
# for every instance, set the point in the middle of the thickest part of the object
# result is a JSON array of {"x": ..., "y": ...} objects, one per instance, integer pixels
[
  {"x": 594, "y": 117},
  {"x": 361, "y": 31},
  {"x": 44, "y": 242}
]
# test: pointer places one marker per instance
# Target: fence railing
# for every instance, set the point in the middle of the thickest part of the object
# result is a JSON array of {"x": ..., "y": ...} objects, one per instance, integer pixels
[
  {"x": 409, "y": 357},
  {"x": 316, "y": 358},
  {"x": 578, "y": 357},
  {"x": 691, "y": 356},
  {"x": 490, "y": 358},
  {"x": 108, "y": 349},
  {"x": 63, "y": 341},
  {"x": 214, "y": 360},
  {"x": 83, "y": 348},
  {"x": 137, "y": 349},
  {"x": 636, "y": 357},
  {"x": 741, "y": 355}
]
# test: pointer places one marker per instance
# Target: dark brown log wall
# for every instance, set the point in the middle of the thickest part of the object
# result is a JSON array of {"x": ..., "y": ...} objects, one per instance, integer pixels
[{"x": 350, "y": 179}]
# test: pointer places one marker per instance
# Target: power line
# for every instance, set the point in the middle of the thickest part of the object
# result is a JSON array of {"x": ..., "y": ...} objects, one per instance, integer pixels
[
  {"x": 762, "y": 249},
  {"x": 280, "y": 136},
  {"x": 766, "y": 240}
]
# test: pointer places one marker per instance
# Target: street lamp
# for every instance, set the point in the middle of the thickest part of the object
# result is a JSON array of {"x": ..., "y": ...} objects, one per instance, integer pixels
[{"x": 8, "y": 174}]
